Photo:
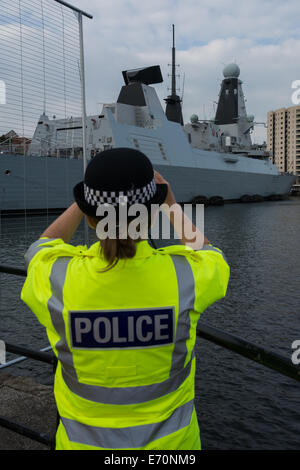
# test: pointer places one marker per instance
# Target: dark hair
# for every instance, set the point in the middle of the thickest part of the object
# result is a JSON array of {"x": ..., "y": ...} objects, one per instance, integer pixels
[{"x": 115, "y": 249}]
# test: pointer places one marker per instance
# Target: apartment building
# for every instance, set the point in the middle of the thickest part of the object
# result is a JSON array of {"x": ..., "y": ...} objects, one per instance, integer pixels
[{"x": 283, "y": 139}]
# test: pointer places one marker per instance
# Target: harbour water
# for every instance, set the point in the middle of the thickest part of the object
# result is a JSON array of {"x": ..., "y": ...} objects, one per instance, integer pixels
[{"x": 240, "y": 404}]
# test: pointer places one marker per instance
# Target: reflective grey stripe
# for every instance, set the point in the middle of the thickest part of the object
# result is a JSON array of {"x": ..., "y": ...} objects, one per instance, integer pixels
[
  {"x": 211, "y": 248},
  {"x": 127, "y": 395},
  {"x": 111, "y": 395},
  {"x": 186, "y": 301},
  {"x": 34, "y": 249},
  {"x": 130, "y": 437},
  {"x": 55, "y": 307}
]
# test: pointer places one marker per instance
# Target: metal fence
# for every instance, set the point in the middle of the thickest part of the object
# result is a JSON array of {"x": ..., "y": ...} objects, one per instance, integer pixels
[
  {"x": 42, "y": 103},
  {"x": 42, "y": 114},
  {"x": 42, "y": 67}
]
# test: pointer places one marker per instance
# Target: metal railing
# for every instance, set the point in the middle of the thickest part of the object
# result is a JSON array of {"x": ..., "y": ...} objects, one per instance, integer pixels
[
  {"x": 263, "y": 356},
  {"x": 18, "y": 428},
  {"x": 25, "y": 354},
  {"x": 251, "y": 351}
]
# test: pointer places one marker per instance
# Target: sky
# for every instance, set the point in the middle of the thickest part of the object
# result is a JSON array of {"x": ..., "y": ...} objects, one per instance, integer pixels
[
  {"x": 38, "y": 64},
  {"x": 261, "y": 36}
]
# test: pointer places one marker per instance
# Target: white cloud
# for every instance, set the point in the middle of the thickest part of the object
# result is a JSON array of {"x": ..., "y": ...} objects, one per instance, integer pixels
[{"x": 261, "y": 36}]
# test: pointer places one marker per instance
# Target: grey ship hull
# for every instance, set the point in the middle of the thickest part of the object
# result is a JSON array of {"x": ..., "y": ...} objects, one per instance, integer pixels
[{"x": 42, "y": 183}]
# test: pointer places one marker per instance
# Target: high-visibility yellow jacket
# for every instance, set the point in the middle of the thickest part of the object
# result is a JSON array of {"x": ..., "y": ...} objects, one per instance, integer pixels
[{"x": 124, "y": 340}]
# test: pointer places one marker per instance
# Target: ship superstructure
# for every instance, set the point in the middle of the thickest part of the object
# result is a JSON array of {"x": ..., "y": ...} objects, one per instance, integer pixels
[{"x": 209, "y": 158}]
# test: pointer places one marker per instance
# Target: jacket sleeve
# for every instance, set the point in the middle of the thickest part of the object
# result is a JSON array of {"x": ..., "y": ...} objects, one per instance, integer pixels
[
  {"x": 39, "y": 260},
  {"x": 37, "y": 246},
  {"x": 211, "y": 274},
  {"x": 210, "y": 271}
]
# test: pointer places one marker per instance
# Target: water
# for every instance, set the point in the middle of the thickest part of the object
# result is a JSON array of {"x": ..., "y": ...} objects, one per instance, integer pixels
[{"x": 240, "y": 404}]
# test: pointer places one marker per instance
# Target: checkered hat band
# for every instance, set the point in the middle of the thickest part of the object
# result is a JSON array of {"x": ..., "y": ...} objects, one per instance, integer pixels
[{"x": 136, "y": 196}]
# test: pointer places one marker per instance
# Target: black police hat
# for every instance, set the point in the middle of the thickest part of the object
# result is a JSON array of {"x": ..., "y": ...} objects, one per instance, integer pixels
[{"x": 116, "y": 176}]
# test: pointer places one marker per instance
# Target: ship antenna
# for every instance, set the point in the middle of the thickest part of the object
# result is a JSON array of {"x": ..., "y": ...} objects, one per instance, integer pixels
[
  {"x": 173, "y": 108},
  {"x": 173, "y": 63}
]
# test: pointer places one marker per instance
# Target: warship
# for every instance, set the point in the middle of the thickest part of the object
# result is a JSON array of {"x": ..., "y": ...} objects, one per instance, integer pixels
[{"x": 205, "y": 161}]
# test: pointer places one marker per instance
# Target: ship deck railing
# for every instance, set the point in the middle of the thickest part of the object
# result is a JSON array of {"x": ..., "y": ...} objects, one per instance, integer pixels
[{"x": 254, "y": 352}]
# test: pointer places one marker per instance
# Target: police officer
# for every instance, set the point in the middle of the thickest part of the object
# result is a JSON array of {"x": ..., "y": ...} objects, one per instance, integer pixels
[{"x": 121, "y": 316}]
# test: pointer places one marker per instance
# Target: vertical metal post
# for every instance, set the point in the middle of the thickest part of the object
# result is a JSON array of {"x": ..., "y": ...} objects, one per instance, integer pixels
[
  {"x": 83, "y": 113},
  {"x": 83, "y": 98}
]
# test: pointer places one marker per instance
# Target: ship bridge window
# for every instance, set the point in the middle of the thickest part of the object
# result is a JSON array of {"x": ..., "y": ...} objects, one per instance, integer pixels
[
  {"x": 68, "y": 128},
  {"x": 136, "y": 143},
  {"x": 227, "y": 92},
  {"x": 162, "y": 150}
]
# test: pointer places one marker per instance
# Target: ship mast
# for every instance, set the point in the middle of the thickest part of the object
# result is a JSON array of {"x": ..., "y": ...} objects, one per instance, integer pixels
[
  {"x": 173, "y": 64},
  {"x": 173, "y": 108}
]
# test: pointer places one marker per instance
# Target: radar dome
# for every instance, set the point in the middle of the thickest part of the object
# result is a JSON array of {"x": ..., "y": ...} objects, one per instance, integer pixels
[
  {"x": 250, "y": 118},
  {"x": 194, "y": 118},
  {"x": 231, "y": 71}
]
